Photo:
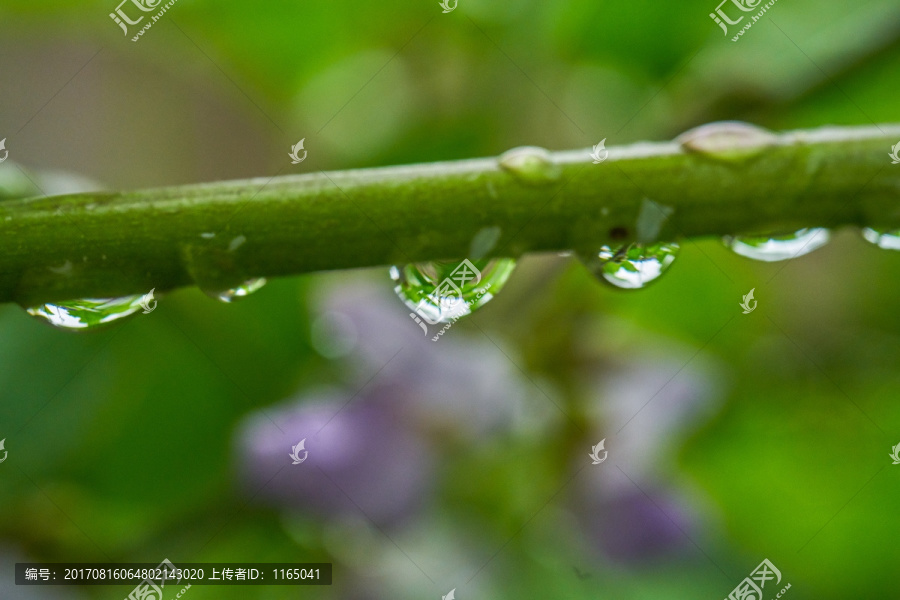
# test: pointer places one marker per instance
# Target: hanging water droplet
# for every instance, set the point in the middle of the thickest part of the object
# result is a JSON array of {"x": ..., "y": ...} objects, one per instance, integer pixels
[
  {"x": 441, "y": 291},
  {"x": 727, "y": 140},
  {"x": 215, "y": 264},
  {"x": 87, "y": 313},
  {"x": 889, "y": 240},
  {"x": 632, "y": 266},
  {"x": 531, "y": 165},
  {"x": 771, "y": 248},
  {"x": 237, "y": 292}
]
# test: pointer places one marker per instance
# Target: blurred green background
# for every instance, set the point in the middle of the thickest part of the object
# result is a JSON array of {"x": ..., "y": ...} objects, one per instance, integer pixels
[{"x": 731, "y": 437}]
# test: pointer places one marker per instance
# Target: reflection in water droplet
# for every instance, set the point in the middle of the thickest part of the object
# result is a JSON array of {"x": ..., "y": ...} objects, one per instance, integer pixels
[
  {"x": 771, "y": 248},
  {"x": 237, "y": 292},
  {"x": 632, "y": 266},
  {"x": 441, "y": 291},
  {"x": 531, "y": 165},
  {"x": 727, "y": 140},
  {"x": 889, "y": 240},
  {"x": 87, "y": 313}
]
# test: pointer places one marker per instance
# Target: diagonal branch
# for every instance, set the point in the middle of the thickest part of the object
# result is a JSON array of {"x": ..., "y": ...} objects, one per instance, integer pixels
[{"x": 719, "y": 179}]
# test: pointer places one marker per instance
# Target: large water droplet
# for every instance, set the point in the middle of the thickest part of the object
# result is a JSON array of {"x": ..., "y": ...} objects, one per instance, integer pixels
[
  {"x": 531, "y": 165},
  {"x": 440, "y": 291},
  {"x": 237, "y": 292},
  {"x": 889, "y": 240},
  {"x": 87, "y": 313},
  {"x": 771, "y": 248},
  {"x": 727, "y": 140},
  {"x": 632, "y": 266},
  {"x": 214, "y": 263}
]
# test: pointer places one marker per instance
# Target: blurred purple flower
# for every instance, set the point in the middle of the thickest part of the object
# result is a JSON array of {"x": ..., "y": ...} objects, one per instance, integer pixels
[
  {"x": 460, "y": 385},
  {"x": 632, "y": 528},
  {"x": 361, "y": 460}
]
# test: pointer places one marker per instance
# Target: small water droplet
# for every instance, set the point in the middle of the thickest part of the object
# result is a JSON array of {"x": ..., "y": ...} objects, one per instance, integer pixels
[
  {"x": 650, "y": 221},
  {"x": 632, "y": 266},
  {"x": 483, "y": 242},
  {"x": 531, "y": 165},
  {"x": 236, "y": 243},
  {"x": 727, "y": 140},
  {"x": 64, "y": 269},
  {"x": 771, "y": 248},
  {"x": 889, "y": 240},
  {"x": 441, "y": 291},
  {"x": 237, "y": 292},
  {"x": 87, "y": 313}
]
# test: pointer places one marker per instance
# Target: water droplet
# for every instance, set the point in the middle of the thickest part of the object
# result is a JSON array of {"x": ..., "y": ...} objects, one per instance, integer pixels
[
  {"x": 216, "y": 267},
  {"x": 237, "y": 292},
  {"x": 889, "y": 240},
  {"x": 236, "y": 243},
  {"x": 64, "y": 269},
  {"x": 632, "y": 266},
  {"x": 87, "y": 313},
  {"x": 727, "y": 140},
  {"x": 441, "y": 291},
  {"x": 650, "y": 221},
  {"x": 531, "y": 165},
  {"x": 771, "y": 248},
  {"x": 483, "y": 242}
]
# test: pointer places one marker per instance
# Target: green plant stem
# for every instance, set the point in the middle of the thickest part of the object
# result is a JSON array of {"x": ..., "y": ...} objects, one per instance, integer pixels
[{"x": 112, "y": 244}]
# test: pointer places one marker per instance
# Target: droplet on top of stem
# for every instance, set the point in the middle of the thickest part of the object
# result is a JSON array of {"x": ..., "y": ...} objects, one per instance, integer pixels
[
  {"x": 531, "y": 165},
  {"x": 727, "y": 140}
]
